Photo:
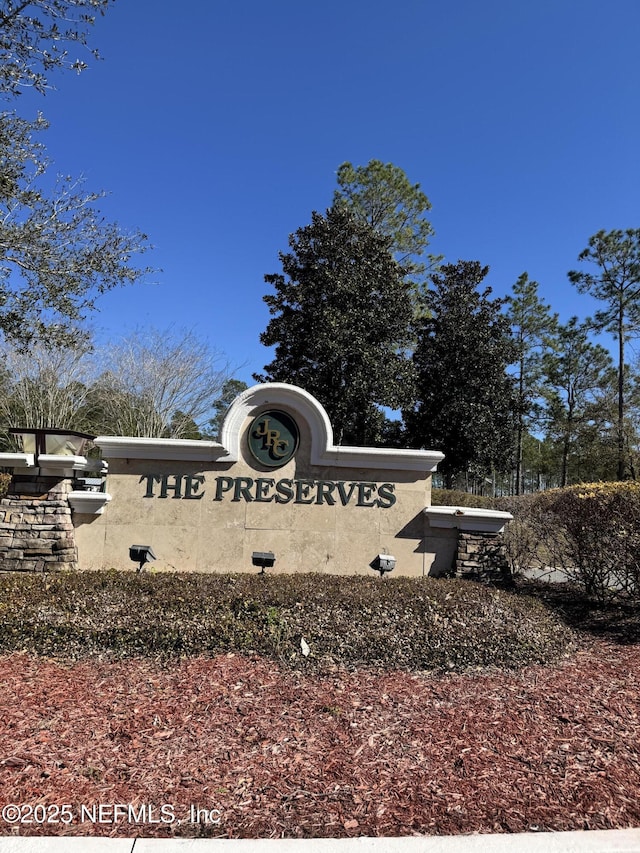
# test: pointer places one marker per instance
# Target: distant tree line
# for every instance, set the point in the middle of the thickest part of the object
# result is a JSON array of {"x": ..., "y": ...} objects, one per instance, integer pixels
[{"x": 401, "y": 348}]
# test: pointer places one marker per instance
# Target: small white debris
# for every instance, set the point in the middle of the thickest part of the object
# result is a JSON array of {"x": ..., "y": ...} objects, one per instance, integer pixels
[{"x": 304, "y": 647}]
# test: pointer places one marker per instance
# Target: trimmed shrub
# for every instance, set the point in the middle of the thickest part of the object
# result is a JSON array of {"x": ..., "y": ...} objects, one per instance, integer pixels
[
  {"x": 456, "y": 497},
  {"x": 395, "y": 623},
  {"x": 591, "y": 531}
]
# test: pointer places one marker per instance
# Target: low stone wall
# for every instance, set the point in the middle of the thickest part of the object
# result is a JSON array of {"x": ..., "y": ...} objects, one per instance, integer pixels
[
  {"x": 36, "y": 533},
  {"x": 481, "y": 557}
]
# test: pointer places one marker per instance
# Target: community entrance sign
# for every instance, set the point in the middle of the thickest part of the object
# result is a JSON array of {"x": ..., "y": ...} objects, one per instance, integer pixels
[
  {"x": 275, "y": 485},
  {"x": 274, "y": 482}
]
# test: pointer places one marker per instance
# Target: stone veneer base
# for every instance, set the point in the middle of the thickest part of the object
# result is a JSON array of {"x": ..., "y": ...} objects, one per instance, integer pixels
[
  {"x": 481, "y": 557},
  {"x": 36, "y": 529}
]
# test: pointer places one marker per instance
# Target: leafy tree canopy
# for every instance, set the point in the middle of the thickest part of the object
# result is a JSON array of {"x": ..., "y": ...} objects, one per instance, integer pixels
[
  {"x": 466, "y": 403},
  {"x": 382, "y": 195},
  {"x": 340, "y": 319},
  {"x": 57, "y": 253},
  {"x": 38, "y": 36}
]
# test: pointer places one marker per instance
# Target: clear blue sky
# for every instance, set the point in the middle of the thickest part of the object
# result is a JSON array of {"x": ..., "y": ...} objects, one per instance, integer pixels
[{"x": 217, "y": 127}]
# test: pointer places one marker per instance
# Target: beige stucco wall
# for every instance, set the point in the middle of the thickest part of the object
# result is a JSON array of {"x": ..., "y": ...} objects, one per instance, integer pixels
[{"x": 206, "y": 535}]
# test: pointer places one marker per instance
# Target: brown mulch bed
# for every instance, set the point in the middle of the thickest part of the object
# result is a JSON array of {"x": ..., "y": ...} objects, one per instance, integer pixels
[{"x": 281, "y": 753}]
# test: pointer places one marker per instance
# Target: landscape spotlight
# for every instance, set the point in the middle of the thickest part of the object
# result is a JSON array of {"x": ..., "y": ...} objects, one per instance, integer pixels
[
  {"x": 141, "y": 554},
  {"x": 383, "y": 563},
  {"x": 264, "y": 559}
]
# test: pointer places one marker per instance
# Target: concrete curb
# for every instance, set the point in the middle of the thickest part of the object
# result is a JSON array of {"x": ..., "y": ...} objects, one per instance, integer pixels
[
  {"x": 598, "y": 841},
  {"x": 49, "y": 844}
]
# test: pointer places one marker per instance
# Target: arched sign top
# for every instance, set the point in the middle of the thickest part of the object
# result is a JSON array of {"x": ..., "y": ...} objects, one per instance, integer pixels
[
  {"x": 281, "y": 397},
  {"x": 278, "y": 397},
  {"x": 273, "y": 438}
]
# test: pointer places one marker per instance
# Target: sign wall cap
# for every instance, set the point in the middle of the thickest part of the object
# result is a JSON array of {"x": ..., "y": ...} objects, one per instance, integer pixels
[
  {"x": 468, "y": 518},
  {"x": 17, "y": 460},
  {"x": 293, "y": 400},
  {"x": 88, "y": 503},
  {"x": 186, "y": 449}
]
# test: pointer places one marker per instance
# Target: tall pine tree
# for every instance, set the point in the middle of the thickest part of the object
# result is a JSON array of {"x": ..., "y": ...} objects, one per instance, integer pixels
[
  {"x": 575, "y": 372},
  {"x": 531, "y": 324},
  {"x": 616, "y": 255}
]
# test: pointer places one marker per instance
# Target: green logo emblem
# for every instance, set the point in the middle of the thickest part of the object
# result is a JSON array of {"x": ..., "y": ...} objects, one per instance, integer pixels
[{"x": 273, "y": 438}]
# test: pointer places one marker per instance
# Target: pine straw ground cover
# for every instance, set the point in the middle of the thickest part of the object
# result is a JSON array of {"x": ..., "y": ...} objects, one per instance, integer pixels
[{"x": 331, "y": 751}]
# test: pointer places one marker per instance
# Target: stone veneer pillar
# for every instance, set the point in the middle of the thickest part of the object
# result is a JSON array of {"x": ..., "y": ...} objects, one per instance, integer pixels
[
  {"x": 481, "y": 557},
  {"x": 480, "y": 551},
  {"x": 36, "y": 530}
]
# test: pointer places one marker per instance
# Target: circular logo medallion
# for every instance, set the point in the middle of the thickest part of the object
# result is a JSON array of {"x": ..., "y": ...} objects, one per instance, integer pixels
[{"x": 273, "y": 438}]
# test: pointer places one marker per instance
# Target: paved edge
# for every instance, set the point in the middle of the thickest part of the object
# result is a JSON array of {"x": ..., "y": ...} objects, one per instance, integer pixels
[{"x": 597, "y": 841}]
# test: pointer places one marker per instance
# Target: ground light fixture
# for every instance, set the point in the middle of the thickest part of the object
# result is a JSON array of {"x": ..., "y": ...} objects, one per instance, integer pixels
[
  {"x": 264, "y": 559},
  {"x": 383, "y": 563},
  {"x": 141, "y": 554}
]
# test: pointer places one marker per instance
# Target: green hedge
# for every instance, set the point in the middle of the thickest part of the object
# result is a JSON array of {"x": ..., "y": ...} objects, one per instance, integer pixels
[
  {"x": 456, "y": 497},
  {"x": 348, "y": 621}
]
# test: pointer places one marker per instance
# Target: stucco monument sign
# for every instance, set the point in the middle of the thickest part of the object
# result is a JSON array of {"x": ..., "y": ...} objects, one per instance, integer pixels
[{"x": 274, "y": 483}]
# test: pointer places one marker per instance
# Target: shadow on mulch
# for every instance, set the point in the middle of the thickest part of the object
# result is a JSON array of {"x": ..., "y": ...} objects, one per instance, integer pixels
[{"x": 618, "y": 621}]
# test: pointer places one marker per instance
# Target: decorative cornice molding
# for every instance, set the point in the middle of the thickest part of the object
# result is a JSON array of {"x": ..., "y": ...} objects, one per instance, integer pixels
[
  {"x": 297, "y": 402},
  {"x": 53, "y": 463},
  {"x": 187, "y": 450},
  {"x": 88, "y": 503},
  {"x": 16, "y": 460},
  {"x": 57, "y": 462}
]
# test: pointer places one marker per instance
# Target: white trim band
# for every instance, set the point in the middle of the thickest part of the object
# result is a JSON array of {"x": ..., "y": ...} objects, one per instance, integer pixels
[
  {"x": 468, "y": 518},
  {"x": 187, "y": 450}
]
